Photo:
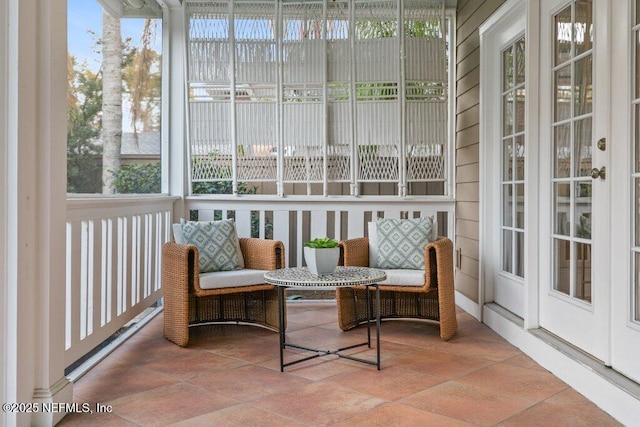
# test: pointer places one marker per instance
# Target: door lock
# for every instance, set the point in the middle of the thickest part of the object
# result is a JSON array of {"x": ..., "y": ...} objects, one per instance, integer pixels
[{"x": 599, "y": 173}]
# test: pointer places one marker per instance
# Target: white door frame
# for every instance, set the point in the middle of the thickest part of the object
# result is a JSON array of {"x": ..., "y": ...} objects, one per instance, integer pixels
[{"x": 512, "y": 13}]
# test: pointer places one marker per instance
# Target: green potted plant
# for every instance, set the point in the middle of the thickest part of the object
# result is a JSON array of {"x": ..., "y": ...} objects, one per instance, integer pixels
[{"x": 321, "y": 255}]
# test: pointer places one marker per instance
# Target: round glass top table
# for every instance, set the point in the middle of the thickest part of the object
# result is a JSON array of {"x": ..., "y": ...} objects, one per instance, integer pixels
[{"x": 301, "y": 277}]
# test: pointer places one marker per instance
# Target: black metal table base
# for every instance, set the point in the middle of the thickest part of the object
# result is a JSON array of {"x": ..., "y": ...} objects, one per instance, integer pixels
[{"x": 337, "y": 352}]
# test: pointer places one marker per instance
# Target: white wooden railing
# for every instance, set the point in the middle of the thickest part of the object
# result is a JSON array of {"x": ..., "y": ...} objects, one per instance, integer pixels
[
  {"x": 113, "y": 265},
  {"x": 294, "y": 220}
]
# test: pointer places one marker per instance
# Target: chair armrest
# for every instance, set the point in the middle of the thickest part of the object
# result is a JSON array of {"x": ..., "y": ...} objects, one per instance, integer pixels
[
  {"x": 438, "y": 262},
  {"x": 262, "y": 254},
  {"x": 179, "y": 270},
  {"x": 178, "y": 262},
  {"x": 439, "y": 274},
  {"x": 355, "y": 252}
]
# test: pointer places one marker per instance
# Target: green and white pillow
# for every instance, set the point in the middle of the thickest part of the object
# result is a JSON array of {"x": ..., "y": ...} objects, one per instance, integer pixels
[
  {"x": 216, "y": 242},
  {"x": 401, "y": 242}
]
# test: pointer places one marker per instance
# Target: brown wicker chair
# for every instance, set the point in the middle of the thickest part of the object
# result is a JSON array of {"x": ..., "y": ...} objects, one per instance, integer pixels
[
  {"x": 435, "y": 300},
  {"x": 186, "y": 304}
]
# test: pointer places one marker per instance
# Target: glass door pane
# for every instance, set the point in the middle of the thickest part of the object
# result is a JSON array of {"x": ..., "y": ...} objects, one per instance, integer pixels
[
  {"x": 572, "y": 136},
  {"x": 513, "y": 155}
]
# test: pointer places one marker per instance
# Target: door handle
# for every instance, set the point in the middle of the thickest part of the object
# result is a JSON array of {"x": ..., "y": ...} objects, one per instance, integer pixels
[{"x": 599, "y": 173}]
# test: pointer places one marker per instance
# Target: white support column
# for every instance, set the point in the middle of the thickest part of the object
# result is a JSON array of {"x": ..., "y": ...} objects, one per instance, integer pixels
[
  {"x": 7, "y": 308},
  {"x": 355, "y": 161},
  {"x": 402, "y": 114},
  {"x": 174, "y": 89},
  {"x": 36, "y": 208},
  {"x": 279, "y": 100},
  {"x": 325, "y": 101},
  {"x": 232, "y": 97},
  {"x": 450, "y": 161}
]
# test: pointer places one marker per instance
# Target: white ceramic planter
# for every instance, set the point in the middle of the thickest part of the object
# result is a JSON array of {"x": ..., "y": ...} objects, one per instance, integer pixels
[{"x": 321, "y": 260}]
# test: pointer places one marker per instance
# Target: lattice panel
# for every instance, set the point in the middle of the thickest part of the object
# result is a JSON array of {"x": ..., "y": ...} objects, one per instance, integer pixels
[
  {"x": 339, "y": 148},
  {"x": 426, "y": 133},
  {"x": 425, "y": 42},
  {"x": 210, "y": 140},
  {"x": 425, "y": 162},
  {"x": 315, "y": 61},
  {"x": 338, "y": 44},
  {"x": 256, "y": 54},
  {"x": 377, "y": 123},
  {"x": 378, "y": 163},
  {"x": 339, "y": 163},
  {"x": 378, "y": 138},
  {"x": 256, "y": 136},
  {"x": 209, "y": 53},
  {"x": 376, "y": 41},
  {"x": 426, "y": 122},
  {"x": 303, "y": 45},
  {"x": 303, "y": 142},
  {"x": 340, "y": 125}
]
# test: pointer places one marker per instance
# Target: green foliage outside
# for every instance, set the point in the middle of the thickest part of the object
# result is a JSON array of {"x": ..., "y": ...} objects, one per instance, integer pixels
[
  {"x": 140, "y": 178},
  {"x": 221, "y": 187},
  {"x": 84, "y": 101}
]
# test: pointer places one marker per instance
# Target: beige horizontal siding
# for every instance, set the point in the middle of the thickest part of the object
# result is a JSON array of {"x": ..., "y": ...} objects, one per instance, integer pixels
[
  {"x": 469, "y": 247},
  {"x": 466, "y": 285},
  {"x": 468, "y": 118},
  {"x": 467, "y": 192},
  {"x": 468, "y": 81},
  {"x": 468, "y": 136},
  {"x": 467, "y": 211},
  {"x": 467, "y": 155},
  {"x": 468, "y": 99},
  {"x": 470, "y": 15},
  {"x": 469, "y": 267},
  {"x": 467, "y": 228},
  {"x": 467, "y": 173}
]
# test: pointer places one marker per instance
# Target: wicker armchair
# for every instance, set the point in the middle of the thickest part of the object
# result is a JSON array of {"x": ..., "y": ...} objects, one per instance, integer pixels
[
  {"x": 187, "y": 304},
  {"x": 435, "y": 300}
]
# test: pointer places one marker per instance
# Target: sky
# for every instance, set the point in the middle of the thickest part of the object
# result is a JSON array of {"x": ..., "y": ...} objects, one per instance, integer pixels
[{"x": 86, "y": 15}]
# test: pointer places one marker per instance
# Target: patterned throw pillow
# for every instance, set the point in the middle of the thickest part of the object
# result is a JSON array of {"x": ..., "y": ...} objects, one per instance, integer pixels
[
  {"x": 401, "y": 242},
  {"x": 216, "y": 243}
]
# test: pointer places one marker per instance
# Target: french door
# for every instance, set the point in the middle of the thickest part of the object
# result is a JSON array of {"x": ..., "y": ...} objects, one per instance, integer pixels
[
  {"x": 503, "y": 93},
  {"x": 574, "y": 188},
  {"x": 581, "y": 143},
  {"x": 589, "y": 177},
  {"x": 625, "y": 188}
]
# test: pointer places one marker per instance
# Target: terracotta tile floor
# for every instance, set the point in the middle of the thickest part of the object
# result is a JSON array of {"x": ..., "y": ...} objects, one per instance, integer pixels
[{"x": 229, "y": 376}]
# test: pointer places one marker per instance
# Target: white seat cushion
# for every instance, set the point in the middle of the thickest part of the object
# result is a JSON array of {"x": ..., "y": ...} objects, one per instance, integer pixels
[
  {"x": 403, "y": 277},
  {"x": 231, "y": 279}
]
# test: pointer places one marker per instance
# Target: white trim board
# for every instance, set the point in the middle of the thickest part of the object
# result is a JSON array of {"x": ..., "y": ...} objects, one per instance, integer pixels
[{"x": 468, "y": 305}]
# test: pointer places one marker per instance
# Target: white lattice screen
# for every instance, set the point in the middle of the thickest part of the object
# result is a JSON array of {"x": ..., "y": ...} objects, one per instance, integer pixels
[{"x": 318, "y": 91}]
